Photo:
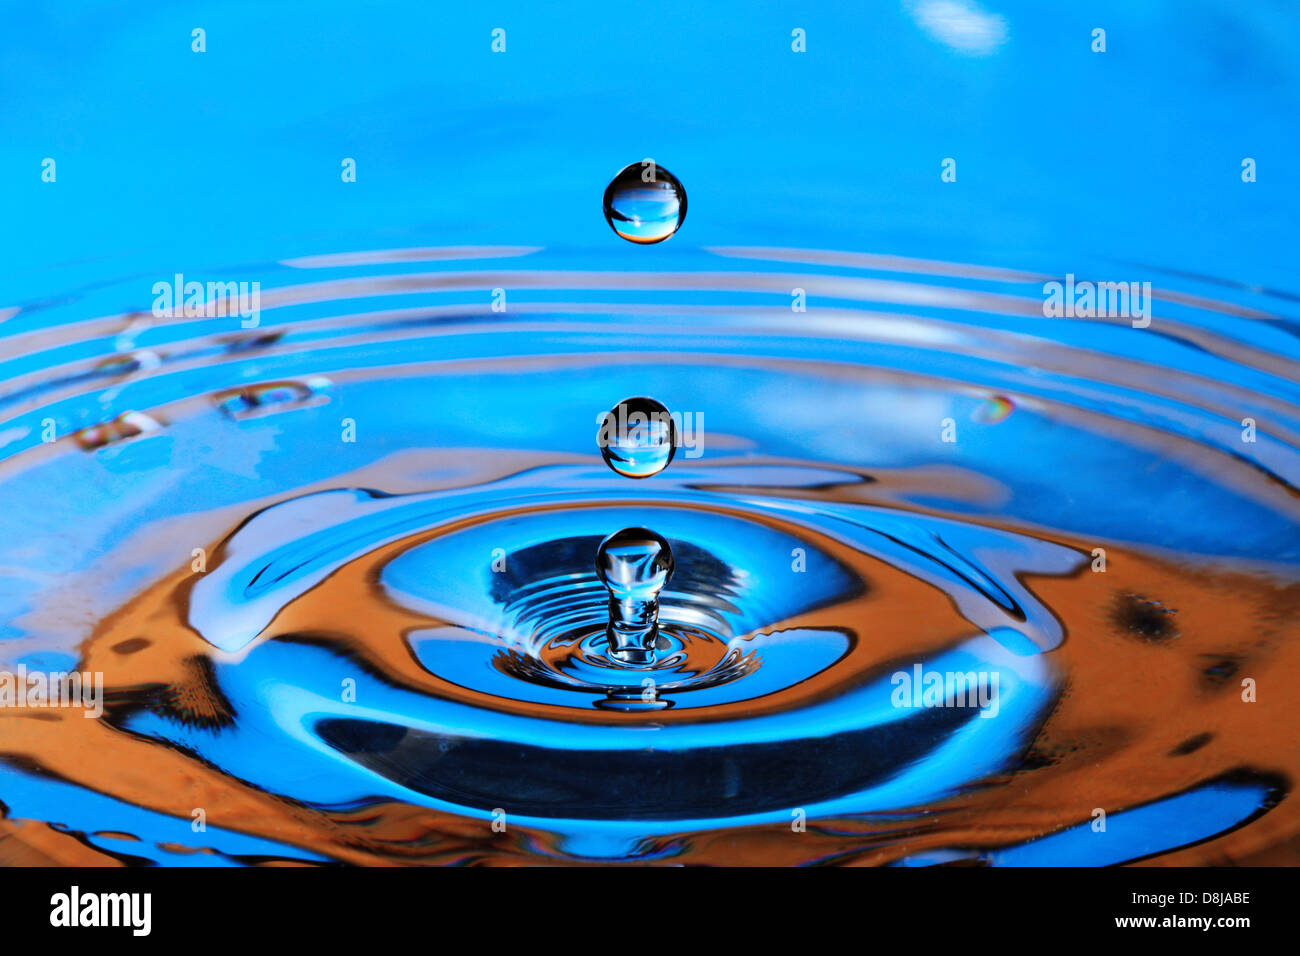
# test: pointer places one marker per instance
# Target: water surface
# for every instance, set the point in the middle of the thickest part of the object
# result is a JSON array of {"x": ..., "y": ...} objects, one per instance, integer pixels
[{"x": 337, "y": 568}]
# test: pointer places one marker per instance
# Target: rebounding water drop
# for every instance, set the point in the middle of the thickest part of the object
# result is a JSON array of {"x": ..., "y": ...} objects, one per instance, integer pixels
[
  {"x": 637, "y": 437},
  {"x": 645, "y": 203},
  {"x": 634, "y": 565}
]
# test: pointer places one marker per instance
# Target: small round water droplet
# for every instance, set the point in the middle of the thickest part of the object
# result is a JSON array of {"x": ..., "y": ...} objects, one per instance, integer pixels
[
  {"x": 634, "y": 565},
  {"x": 637, "y": 437},
  {"x": 645, "y": 203}
]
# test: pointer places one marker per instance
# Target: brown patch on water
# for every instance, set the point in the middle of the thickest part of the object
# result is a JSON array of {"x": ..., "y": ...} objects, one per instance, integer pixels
[{"x": 1150, "y": 705}]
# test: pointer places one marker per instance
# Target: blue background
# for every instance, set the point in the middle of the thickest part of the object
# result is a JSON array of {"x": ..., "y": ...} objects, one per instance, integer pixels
[{"x": 169, "y": 160}]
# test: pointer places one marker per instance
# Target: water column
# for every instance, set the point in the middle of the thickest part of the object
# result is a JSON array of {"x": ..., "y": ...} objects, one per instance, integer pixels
[{"x": 637, "y": 439}]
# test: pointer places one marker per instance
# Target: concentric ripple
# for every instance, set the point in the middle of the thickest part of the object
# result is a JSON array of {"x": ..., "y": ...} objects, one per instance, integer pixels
[{"x": 338, "y": 571}]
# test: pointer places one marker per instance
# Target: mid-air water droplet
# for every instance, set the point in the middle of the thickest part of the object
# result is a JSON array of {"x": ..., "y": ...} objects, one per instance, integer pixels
[
  {"x": 637, "y": 437},
  {"x": 645, "y": 203},
  {"x": 634, "y": 565}
]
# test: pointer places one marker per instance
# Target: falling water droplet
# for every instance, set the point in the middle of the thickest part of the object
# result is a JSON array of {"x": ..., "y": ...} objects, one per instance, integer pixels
[
  {"x": 637, "y": 437},
  {"x": 645, "y": 203},
  {"x": 634, "y": 565}
]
